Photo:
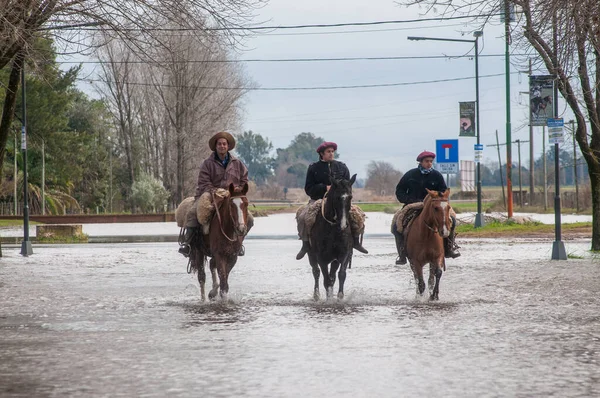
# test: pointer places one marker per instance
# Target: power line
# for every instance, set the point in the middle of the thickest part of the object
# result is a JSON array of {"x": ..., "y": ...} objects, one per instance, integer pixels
[
  {"x": 303, "y": 26},
  {"x": 338, "y": 59},
  {"x": 342, "y": 32},
  {"x": 303, "y": 88}
]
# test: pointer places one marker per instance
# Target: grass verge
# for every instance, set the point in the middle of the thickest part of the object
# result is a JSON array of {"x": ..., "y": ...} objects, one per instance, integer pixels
[{"x": 533, "y": 230}]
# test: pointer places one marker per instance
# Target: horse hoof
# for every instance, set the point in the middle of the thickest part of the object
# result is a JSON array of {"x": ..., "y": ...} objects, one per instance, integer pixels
[
  {"x": 212, "y": 294},
  {"x": 340, "y": 295},
  {"x": 433, "y": 297},
  {"x": 329, "y": 293},
  {"x": 316, "y": 295}
]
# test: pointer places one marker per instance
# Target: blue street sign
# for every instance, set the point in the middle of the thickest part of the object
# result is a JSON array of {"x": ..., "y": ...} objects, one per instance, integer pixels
[
  {"x": 557, "y": 122},
  {"x": 446, "y": 151}
]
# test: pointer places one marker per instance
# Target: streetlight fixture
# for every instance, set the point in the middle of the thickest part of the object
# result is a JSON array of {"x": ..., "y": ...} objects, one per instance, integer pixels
[{"x": 479, "y": 222}]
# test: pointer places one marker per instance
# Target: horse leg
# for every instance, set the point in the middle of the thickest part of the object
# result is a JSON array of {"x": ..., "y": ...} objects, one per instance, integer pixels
[
  {"x": 215, "y": 282},
  {"x": 199, "y": 259},
  {"x": 418, "y": 274},
  {"x": 431, "y": 280},
  {"x": 436, "y": 288},
  {"x": 312, "y": 259},
  {"x": 326, "y": 280},
  {"x": 342, "y": 277},
  {"x": 222, "y": 270}
]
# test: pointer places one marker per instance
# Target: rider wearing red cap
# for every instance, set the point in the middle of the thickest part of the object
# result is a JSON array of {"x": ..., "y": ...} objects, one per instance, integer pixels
[
  {"x": 318, "y": 183},
  {"x": 411, "y": 189}
]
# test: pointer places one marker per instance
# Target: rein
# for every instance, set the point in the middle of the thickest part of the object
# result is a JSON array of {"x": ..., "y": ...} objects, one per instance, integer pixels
[
  {"x": 323, "y": 209},
  {"x": 221, "y": 221}
]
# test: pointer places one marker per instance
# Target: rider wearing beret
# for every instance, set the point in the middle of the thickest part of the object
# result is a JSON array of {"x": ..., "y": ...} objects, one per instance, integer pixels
[
  {"x": 318, "y": 182},
  {"x": 411, "y": 189}
]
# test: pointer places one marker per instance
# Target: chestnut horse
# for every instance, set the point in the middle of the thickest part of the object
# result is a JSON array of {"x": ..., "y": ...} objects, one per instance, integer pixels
[
  {"x": 228, "y": 228},
  {"x": 425, "y": 241},
  {"x": 331, "y": 238}
]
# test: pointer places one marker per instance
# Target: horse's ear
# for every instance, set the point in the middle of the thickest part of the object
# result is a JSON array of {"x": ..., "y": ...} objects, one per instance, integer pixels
[
  {"x": 231, "y": 188},
  {"x": 352, "y": 179},
  {"x": 447, "y": 193},
  {"x": 429, "y": 192},
  {"x": 245, "y": 189}
]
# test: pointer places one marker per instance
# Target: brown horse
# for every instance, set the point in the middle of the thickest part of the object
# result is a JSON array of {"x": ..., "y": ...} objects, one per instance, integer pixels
[
  {"x": 425, "y": 241},
  {"x": 228, "y": 228}
]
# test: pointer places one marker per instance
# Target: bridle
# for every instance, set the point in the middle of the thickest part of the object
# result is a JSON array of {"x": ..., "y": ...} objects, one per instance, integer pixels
[
  {"x": 230, "y": 215},
  {"x": 435, "y": 230}
]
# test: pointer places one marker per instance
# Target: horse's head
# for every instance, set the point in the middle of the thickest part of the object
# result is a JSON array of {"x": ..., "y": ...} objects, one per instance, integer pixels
[
  {"x": 238, "y": 203},
  {"x": 436, "y": 210},
  {"x": 340, "y": 198}
]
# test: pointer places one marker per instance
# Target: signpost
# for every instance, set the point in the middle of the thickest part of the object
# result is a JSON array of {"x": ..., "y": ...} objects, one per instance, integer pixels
[{"x": 555, "y": 136}]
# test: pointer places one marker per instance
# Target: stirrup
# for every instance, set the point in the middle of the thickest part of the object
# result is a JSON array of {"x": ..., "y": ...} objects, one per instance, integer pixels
[
  {"x": 185, "y": 250},
  {"x": 242, "y": 251}
]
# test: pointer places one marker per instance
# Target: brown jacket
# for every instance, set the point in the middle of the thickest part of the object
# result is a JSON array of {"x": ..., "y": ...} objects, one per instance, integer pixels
[{"x": 213, "y": 175}]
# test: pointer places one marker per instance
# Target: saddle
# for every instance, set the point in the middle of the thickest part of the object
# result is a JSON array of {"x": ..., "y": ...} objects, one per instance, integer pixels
[{"x": 404, "y": 217}]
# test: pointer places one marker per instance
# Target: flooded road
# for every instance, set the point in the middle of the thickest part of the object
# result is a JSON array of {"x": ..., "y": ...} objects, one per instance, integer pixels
[{"x": 126, "y": 320}]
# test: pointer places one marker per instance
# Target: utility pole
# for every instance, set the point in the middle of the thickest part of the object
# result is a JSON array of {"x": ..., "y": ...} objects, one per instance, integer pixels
[
  {"x": 545, "y": 168},
  {"x": 508, "y": 126},
  {"x": 15, "y": 178},
  {"x": 43, "y": 177},
  {"x": 520, "y": 185},
  {"x": 518, "y": 142},
  {"x": 500, "y": 168},
  {"x": 531, "y": 156}
]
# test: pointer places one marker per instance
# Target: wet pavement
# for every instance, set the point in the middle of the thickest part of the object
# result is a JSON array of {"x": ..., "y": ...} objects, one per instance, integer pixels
[{"x": 126, "y": 320}]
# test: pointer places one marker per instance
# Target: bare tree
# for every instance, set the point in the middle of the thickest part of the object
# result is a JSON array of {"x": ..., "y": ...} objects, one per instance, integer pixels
[
  {"x": 75, "y": 24},
  {"x": 382, "y": 177},
  {"x": 565, "y": 36},
  {"x": 175, "y": 103}
]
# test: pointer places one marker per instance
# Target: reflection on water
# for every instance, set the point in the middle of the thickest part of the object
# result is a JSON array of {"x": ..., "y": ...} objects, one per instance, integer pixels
[{"x": 138, "y": 328}]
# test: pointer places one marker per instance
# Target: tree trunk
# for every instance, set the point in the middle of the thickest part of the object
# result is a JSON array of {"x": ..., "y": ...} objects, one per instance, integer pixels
[
  {"x": 10, "y": 101},
  {"x": 595, "y": 183}
]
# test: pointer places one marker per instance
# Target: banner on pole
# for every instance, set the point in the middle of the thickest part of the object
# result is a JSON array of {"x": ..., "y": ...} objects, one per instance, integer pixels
[
  {"x": 541, "y": 99},
  {"x": 467, "y": 119}
]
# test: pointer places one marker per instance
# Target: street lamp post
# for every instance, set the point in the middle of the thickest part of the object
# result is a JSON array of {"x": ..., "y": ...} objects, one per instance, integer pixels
[
  {"x": 479, "y": 222},
  {"x": 26, "y": 249}
]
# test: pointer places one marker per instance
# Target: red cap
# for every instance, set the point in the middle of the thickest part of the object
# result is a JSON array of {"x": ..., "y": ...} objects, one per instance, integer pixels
[
  {"x": 425, "y": 154},
  {"x": 325, "y": 145}
]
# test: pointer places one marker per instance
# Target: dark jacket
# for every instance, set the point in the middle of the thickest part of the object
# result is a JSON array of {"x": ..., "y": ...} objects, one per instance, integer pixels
[
  {"x": 213, "y": 175},
  {"x": 317, "y": 177},
  {"x": 411, "y": 187}
]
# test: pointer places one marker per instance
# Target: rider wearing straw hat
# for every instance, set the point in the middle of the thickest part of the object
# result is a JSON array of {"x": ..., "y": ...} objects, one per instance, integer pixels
[
  {"x": 219, "y": 170},
  {"x": 412, "y": 189}
]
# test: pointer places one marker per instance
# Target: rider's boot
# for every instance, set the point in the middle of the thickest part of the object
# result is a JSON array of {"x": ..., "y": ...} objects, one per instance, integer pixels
[
  {"x": 450, "y": 246},
  {"x": 303, "y": 250},
  {"x": 357, "y": 246},
  {"x": 401, "y": 260},
  {"x": 186, "y": 248}
]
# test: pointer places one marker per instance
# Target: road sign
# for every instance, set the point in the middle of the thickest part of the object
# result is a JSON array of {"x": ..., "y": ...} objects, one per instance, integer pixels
[
  {"x": 447, "y": 168},
  {"x": 478, "y": 152},
  {"x": 555, "y": 130},
  {"x": 446, "y": 156},
  {"x": 446, "y": 151}
]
